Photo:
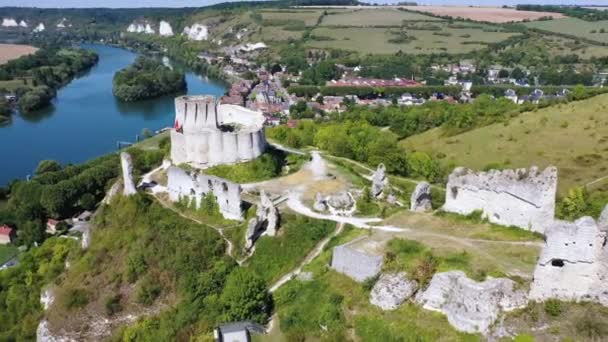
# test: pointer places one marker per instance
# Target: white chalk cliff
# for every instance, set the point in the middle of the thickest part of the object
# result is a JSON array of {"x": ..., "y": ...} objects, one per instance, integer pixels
[
  {"x": 39, "y": 28},
  {"x": 141, "y": 27},
  {"x": 165, "y": 29},
  {"x": 197, "y": 32},
  {"x": 22, "y": 23},
  {"x": 9, "y": 22}
]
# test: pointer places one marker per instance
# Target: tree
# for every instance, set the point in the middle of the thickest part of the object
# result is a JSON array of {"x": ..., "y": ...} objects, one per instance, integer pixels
[
  {"x": 574, "y": 205},
  {"x": 422, "y": 165},
  {"x": 245, "y": 297},
  {"x": 47, "y": 166},
  {"x": 503, "y": 73},
  {"x": 87, "y": 201}
]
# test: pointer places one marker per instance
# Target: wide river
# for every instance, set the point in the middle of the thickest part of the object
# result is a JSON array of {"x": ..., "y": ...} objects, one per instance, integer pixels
[{"x": 85, "y": 120}]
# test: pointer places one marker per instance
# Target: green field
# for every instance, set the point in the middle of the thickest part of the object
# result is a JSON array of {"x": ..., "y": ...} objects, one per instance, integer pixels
[
  {"x": 276, "y": 34},
  {"x": 573, "y": 137},
  {"x": 309, "y": 17},
  {"x": 376, "y": 40},
  {"x": 7, "y": 252},
  {"x": 574, "y": 27},
  {"x": 373, "y": 17}
]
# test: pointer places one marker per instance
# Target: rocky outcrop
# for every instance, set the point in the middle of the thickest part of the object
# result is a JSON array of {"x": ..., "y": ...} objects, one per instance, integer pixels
[
  {"x": 266, "y": 220},
  {"x": 379, "y": 180},
  {"x": 521, "y": 198},
  {"x": 391, "y": 290},
  {"x": 9, "y": 22},
  {"x": 23, "y": 24},
  {"x": 63, "y": 23},
  {"x": 43, "y": 334},
  {"x": 342, "y": 203},
  {"x": 572, "y": 265},
  {"x": 194, "y": 186},
  {"x": 319, "y": 204},
  {"x": 359, "y": 259},
  {"x": 85, "y": 241},
  {"x": 471, "y": 306},
  {"x": 39, "y": 28},
  {"x": 208, "y": 133},
  {"x": 47, "y": 298},
  {"x": 165, "y": 29},
  {"x": 421, "y": 197},
  {"x": 197, "y": 32},
  {"x": 142, "y": 26},
  {"x": 602, "y": 221},
  {"x": 126, "y": 164}
]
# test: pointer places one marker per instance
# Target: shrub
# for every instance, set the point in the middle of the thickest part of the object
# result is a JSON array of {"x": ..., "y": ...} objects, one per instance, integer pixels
[
  {"x": 76, "y": 298},
  {"x": 112, "y": 304},
  {"x": 148, "y": 291},
  {"x": 553, "y": 307}
]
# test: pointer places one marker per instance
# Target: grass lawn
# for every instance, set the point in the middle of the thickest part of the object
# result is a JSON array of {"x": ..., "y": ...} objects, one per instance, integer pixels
[
  {"x": 376, "y": 40},
  {"x": 373, "y": 17},
  {"x": 14, "y": 84},
  {"x": 573, "y": 137},
  {"x": 574, "y": 27},
  {"x": 7, "y": 252}
]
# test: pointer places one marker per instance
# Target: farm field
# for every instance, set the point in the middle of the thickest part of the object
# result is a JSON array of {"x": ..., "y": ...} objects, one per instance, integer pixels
[
  {"x": 13, "y": 51},
  {"x": 573, "y": 137},
  {"x": 490, "y": 14},
  {"x": 374, "y": 17},
  {"x": 574, "y": 27},
  {"x": 309, "y": 17},
  {"x": 376, "y": 40},
  {"x": 271, "y": 34}
]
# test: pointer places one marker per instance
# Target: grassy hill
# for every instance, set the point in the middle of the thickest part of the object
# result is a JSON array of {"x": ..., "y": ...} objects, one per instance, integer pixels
[{"x": 573, "y": 137}]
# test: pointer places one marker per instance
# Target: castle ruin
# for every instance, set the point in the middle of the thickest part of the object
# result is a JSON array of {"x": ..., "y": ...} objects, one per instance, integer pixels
[
  {"x": 194, "y": 186},
  {"x": 521, "y": 198},
  {"x": 206, "y": 133}
]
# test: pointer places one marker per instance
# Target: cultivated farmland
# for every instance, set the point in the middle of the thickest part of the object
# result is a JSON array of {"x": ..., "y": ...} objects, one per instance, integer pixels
[
  {"x": 573, "y": 137},
  {"x": 575, "y": 27},
  {"x": 309, "y": 17},
  {"x": 374, "y": 17},
  {"x": 14, "y": 51},
  {"x": 489, "y": 14}
]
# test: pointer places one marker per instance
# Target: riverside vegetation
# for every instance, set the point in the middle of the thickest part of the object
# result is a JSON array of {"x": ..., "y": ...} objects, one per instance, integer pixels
[{"x": 145, "y": 79}]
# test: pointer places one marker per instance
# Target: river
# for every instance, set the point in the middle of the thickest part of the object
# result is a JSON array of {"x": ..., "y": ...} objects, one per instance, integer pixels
[{"x": 85, "y": 120}]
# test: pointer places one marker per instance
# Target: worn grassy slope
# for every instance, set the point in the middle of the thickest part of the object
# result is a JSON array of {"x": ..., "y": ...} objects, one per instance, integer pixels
[{"x": 573, "y": 137}]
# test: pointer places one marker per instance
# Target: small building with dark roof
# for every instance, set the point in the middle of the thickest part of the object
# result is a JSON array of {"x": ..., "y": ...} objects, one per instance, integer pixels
[{"x": 237, "y": 331}]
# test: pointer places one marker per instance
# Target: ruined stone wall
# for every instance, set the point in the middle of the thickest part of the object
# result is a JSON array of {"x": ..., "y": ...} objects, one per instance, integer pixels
[
  {"x": 572, "y": 264},
  {"x": 126, "y": 164},
  {"x": 206, "y": 133},
  {"x": 355, "y": 263},
  {"x": 195, "y": 185},
  {"x": 522, "y": 198}
]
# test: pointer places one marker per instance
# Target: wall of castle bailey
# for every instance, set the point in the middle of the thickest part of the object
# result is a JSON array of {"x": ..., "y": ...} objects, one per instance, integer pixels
[
  {"x": 359, "y": 259},
  {"x": 573, "y": 263},
  {"x": 522, "y": 198},
  {"x": 207, "y": 133},
  {"x": 195, "y": 185}
]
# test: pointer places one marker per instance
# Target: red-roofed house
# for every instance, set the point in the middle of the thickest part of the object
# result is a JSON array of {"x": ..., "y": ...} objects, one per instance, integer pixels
[
  {"x": 7, "y": 234},
  {"x": 51, "y": 226}
]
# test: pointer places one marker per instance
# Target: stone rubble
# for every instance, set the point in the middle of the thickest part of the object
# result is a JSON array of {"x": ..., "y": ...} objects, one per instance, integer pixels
[
  {"x": 127, "y": 174},
  {"x": 471, "y": 306},
  {"x": 391, "y": 290},
  {"x": 521, "y": 198},
  {"x": 379, "y": 181},
  {"x": 266, "y": 221},
  {"x": 357, "y": 263},
  {"x": 319, "y": 204},
  {"x": 421, "y": 198}
]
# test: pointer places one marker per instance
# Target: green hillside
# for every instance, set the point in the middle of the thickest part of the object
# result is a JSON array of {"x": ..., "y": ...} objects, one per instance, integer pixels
[{"x": 573, "y": 137}]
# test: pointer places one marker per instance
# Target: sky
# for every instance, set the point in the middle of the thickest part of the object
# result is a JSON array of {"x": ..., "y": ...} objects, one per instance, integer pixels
[{"x": 200, "y": 3}]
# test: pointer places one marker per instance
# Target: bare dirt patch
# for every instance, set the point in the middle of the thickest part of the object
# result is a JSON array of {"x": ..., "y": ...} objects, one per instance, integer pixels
[
  {"x": 13, "y": 51},
  {"x": 489, "y": 14}
]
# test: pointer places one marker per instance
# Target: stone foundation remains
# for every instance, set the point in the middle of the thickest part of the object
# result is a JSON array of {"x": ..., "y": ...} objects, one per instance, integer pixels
[
  {"x": 521, "y": 198},
  {"x": 391, "y": 290},
  {"x": 471, "y": 306},
  {"x": 194, "y": 186},
  {"x": 127, "y": 174},
  {"x": 572, "y": 265},
  {"x": 421, "y": 197},
  {"x": 207, "y": 133},
  {"x": 359, "y": 259},
  {"x": 266, "y": 220}
]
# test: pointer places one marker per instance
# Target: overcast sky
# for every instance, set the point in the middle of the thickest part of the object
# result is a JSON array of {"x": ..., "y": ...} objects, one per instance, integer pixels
[{"x": 200, "y": 3}]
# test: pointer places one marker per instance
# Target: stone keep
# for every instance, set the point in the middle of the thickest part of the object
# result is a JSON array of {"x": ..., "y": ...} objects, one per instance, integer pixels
[
  {"x": 359, "y": 259},
  {"x": 127, "y": 174},
  {"x": 195, "y": 185},
  {"x": 206, "y": 133},
  {"x": 572, "y": 265},
  {"x": 521, "y": 198},
  {"x": 471, "y": 306}
]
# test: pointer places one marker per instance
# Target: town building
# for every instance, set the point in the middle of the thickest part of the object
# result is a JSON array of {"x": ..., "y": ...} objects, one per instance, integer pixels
[{"x": 7, "y": 234}]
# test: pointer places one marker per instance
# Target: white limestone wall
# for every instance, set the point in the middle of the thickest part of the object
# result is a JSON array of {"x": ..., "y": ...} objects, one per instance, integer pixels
[
  {"x": 199, "y": 138},
  {"x": 522, "y": 198},
  {"x": 194, "y": 186},
  {"x": 126, "y": 164},
  {"x": 354, "y": 263}
]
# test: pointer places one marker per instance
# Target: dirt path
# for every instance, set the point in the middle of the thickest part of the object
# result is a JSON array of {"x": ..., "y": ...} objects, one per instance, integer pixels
[{"x": 309, "y": 258}]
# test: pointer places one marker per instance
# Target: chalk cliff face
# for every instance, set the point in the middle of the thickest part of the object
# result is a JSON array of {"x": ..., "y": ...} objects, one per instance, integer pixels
[
  {"x": 127, "y": 174},
  {"x": 9, "y": 22},
  {"x": 141, "y": 27},
  {"x": 471, "y": 306},
  {"x": 23, "y": 24},
  {"x": 572, "y": 265},
  {"x": 206, "y": 133},
  {"x": 193, "y": 186},
  {"x": 522, "y": 198},
  {"x": 165, "y": 29},
  {"x": 39, "y": 28},
  {"x": 197, "y": 32}
]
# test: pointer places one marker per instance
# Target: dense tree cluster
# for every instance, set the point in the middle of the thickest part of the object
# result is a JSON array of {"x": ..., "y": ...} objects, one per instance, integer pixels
[
  {"x": 48, "y": 69},
  {"x": 5, "y": 110},
  {"x": 588, "y": 14},
  {"x": 147, "y": 78}
]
